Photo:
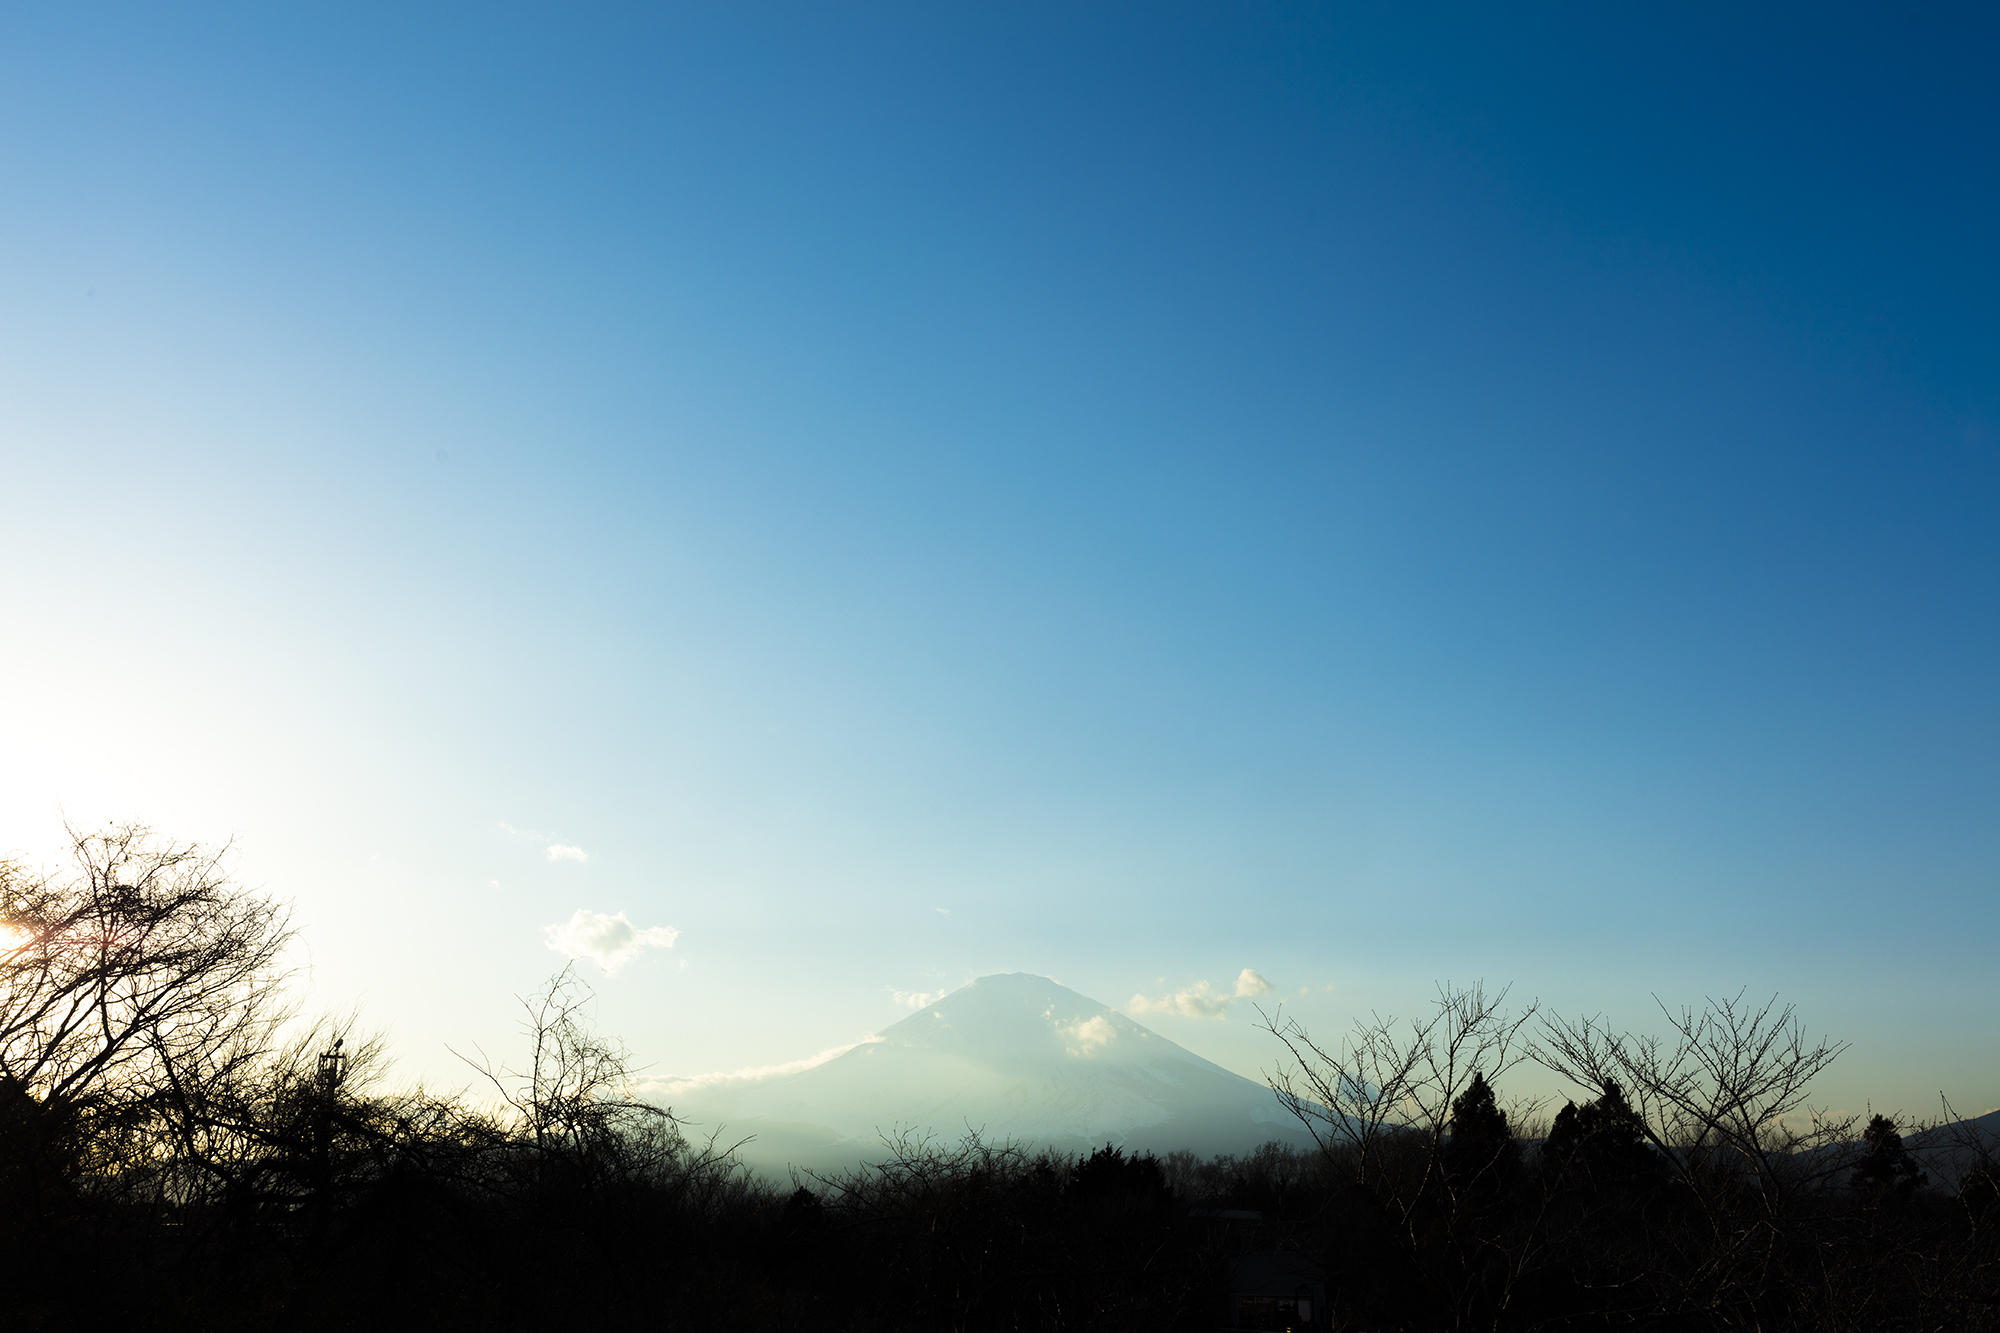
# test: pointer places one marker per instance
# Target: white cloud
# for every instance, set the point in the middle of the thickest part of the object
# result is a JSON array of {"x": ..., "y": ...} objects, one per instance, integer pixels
[
  {"x": 562, "y": 851},
  {"x": 608, "y": 941},
  {"x": 1250, "y": 983},
  {"x": 1197, "y": 1001},
  {"x": 675, "y": 1087},
  {"x": 917, "y": 999},
  {"x": 1202, "y": 1000},
  {"x": 1088, "y": 1035}
]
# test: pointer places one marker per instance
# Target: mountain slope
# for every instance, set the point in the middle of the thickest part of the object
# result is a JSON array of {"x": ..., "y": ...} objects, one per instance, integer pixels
[{"x": 1012, "y": 1057}]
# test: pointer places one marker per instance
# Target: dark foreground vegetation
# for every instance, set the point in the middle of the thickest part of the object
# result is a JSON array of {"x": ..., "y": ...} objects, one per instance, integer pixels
[{"x": 179, "y": 1150}]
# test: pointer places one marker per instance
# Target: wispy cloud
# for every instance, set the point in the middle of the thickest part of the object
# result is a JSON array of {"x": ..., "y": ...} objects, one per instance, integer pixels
[
  {"x": 553, "y": 845},
  {"x": 680, "y": 1087},
  {"x": 1203, "y": 999},
  {"x": 917, "y": 999},
  {"x": 608, "y": 941}
]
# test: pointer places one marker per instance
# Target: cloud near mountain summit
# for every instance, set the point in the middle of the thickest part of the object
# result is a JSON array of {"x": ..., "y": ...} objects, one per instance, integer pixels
[
  {"x": 1203, "y": 1000},
  {"x": 1089, "y": 1035}
]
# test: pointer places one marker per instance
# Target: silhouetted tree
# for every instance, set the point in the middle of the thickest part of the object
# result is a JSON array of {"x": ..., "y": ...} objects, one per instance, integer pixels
[
  {"x": 1601, "y": 1144},
  {"x": 1410, "y": 1120},
  {"x": 1885, "y": 1164},
  {"x": 1724, "y": 1090},
  {"x": 1740, "y": 1220},
  {"x": 1479, "y": 1153},
  {"x": 1108, "y": 1172},
  {"x": 130, "y": 989}
]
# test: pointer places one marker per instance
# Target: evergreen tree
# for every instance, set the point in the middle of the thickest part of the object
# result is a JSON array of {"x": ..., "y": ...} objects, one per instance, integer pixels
[
  {"x": 1565, "y": 1133},
  {"x": 1887, "y": 1164},
  {"x": 1108, "y": 1171},
  {"x": 1601, "y": 1143},
  {"x": 1480, "y": 1148}
]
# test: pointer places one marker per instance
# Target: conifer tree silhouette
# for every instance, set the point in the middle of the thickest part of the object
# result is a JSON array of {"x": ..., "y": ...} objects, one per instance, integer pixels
[
  {"x": 1602, "y": 1143},
  {"x": 1887, "y": 1164},
  {"x": 1480, "y": 1152}
]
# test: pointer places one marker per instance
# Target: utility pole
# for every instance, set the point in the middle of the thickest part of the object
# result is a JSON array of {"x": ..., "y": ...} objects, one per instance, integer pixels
[{"x": 332, "y": 1069}]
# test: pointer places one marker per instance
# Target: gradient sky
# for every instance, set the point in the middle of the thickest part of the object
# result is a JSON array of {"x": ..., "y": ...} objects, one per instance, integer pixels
[{"x": 1372, "y": 495}]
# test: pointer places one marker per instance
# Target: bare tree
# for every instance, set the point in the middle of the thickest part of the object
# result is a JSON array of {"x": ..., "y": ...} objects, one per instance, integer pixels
[
  {"x": 289, "y": 1126},
  {"x": 1384, "y": 1079},
  {"x": 1723, "y": 1099},
  {"x": 1382, "y": 1106},
  {"x": 142, "y": 975},
  {"x": 1729, "y": 1087},
  {"x": 574, "y": 1105}
]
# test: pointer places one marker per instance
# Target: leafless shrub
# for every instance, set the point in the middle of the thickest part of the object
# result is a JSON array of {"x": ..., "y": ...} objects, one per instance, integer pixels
[
  {"x": 1727, "y": 1090},
  {"x": 573, "y": 1106},
  {"x": 1387, "y": 1080}
]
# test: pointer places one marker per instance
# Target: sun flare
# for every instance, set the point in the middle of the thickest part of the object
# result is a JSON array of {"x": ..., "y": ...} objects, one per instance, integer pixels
[{"x": 13, "y": 937}]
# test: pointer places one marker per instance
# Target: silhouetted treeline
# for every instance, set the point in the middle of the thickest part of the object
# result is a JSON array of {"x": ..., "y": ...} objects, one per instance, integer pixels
[{"x": 179, "y": 1151}]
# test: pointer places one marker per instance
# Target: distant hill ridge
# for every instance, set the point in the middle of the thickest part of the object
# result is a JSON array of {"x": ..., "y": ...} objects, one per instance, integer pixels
[{"x": 1012, "y": 1056}]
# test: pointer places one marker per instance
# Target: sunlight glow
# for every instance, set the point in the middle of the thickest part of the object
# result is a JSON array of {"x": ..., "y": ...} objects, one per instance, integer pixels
[{"x": 14, "y": 937}]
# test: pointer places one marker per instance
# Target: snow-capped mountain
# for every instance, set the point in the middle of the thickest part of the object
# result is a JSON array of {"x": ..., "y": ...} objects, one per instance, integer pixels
[{"x": 1013, "y": 1057}]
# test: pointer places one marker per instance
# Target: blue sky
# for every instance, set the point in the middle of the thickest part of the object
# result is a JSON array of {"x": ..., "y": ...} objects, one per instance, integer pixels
[{"x": 1131, "y": 493}]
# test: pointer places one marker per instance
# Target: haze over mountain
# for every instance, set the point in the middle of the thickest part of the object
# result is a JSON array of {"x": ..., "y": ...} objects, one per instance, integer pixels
[{"x": 1013, "y": 1056}]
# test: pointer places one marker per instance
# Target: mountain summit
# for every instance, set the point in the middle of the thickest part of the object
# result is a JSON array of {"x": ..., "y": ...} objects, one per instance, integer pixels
[{"x": 1013, "y": 1057}]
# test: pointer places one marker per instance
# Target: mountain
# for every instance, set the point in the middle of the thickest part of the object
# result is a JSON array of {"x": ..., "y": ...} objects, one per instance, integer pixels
[
  {"x": 1949, "y": 1151},
  {"x": 1012, "y": 1057}
]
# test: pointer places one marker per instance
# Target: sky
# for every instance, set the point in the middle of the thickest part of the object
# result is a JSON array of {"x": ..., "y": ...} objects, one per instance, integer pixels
[{"x": 813, "y": 504}]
